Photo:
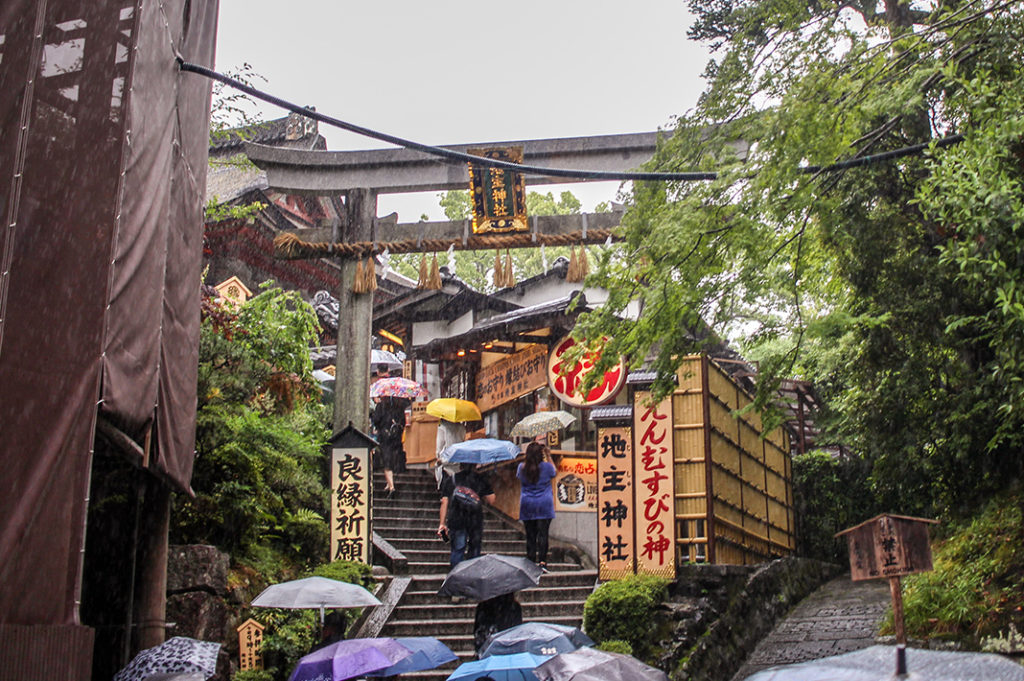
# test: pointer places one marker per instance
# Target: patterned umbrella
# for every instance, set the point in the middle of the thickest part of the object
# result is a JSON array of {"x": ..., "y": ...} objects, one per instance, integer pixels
[
  {"x": 396, "y": 386},
  {"x": 541, "y": 422},
  {"x": 179, "y": 654}
]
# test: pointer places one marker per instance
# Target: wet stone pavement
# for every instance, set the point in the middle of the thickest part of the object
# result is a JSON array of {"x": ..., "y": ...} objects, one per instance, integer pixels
[{"x": 839, "y": 617}]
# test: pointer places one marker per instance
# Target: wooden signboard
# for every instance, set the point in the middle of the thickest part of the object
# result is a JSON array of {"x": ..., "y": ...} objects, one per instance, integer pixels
[
  {"x": 576, "y": 484},
  {"x": 350, "y": 496},
  {"x": 511, "y": 377},
  {"x": 654, "y": 498},
  {"x": 889, "y": 546},
  {"x": 421, "y": 435},
  {"x": 498, "y": 195},
  {"x": 250, "y": 636},
  {"x": 616, "y": 541}
]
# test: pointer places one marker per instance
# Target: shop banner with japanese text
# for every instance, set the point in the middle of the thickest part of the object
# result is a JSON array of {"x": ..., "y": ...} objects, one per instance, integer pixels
[
  {"x": 615, "y": 534},
  {"x": 576, "y": 484},
  {"x": 655, "y": 487},
  {"x": 511, "y": 377}
]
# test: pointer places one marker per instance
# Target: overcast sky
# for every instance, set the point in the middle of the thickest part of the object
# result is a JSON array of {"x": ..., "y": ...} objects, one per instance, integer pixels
[{"x": 455, "y": 71}]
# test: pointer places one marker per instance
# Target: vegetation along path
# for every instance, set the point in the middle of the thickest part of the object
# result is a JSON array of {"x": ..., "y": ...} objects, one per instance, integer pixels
[{"x": 839, "y": 617}]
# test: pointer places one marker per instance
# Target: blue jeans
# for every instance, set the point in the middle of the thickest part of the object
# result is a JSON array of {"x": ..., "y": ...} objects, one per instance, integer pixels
[{"x": 465, "y": 543}]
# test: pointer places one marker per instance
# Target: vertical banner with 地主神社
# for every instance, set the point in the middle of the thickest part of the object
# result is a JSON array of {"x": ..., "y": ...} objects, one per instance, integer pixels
[
  {"x": 350, "y": 504},
  {"x": 615, "y": 534},
  {"x": 575, "y": 484},
  {"x": 498, "y": 195},
  {"x": 655, "y": 487}
]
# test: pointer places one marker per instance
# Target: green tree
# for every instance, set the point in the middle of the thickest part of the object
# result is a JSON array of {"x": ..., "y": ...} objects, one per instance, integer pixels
[
  {"x": 894, "y": 286},
  {"x": 258, "y": 475}
]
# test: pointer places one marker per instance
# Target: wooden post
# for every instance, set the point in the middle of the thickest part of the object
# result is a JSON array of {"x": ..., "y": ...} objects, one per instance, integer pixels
[
  {"x": 355, "y": 321},
  {"x": 896, "y": 590},
  {"x": 151, "y": 603}
]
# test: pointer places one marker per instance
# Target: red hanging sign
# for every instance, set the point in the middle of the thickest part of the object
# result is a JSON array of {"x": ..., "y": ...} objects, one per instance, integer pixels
[{"x": 565, "y": 381}]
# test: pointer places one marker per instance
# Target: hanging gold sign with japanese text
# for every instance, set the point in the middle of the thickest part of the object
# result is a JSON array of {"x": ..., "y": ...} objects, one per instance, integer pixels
[
  {"x": 615, "y": 534},
  {"x": 350, "y": 504},
  {"x": 498, "y": 195},
  {"x": 655, "y": 487}
]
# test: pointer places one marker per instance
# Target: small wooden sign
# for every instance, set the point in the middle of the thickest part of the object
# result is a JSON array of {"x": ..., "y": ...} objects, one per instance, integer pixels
[
  {"x": 889, "y": 546},
  {"x": 250, "y": 636},
  {"x": 498, "y": 195},
  {"x": 350, "y": 495}
]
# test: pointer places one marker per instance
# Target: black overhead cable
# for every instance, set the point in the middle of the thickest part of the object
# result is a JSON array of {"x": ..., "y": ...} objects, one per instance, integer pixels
[{"x": 460, "y": 157}]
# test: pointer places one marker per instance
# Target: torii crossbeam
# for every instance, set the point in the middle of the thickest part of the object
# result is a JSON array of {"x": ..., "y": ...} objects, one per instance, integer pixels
[{"x": 362, "y": 175}]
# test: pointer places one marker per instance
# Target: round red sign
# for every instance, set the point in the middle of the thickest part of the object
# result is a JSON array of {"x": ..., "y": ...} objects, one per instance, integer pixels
[{"x": 565, "y": 381}]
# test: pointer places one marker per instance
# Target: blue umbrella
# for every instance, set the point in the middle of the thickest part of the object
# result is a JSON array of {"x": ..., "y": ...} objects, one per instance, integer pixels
[
  {"x": 541, "y": 638},
  {"x": 428, "y": 653},
  {"x": 481, "y": 450},
  {"x": 518, "y": 667},
  {"x": 348, "y": 659}
]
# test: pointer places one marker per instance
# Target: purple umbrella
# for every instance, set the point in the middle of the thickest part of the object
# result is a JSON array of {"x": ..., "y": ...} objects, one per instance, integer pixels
[{"x": 348, "y": 659}]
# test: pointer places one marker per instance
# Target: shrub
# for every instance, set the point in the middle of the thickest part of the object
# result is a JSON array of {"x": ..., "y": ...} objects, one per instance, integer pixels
[
  {"x": 977, "y": 587},
  {"x": 623, "y": 610},
  {"x": 615, "y": 646},
  {"x": 253, "y": 675}
]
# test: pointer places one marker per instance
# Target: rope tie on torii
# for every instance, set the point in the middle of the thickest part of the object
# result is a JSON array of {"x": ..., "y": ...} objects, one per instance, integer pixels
[{"x": 293, "y": 247}]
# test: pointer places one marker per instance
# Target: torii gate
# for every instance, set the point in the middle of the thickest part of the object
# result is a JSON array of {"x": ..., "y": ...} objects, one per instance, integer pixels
[{"x": 363, "y": 175}]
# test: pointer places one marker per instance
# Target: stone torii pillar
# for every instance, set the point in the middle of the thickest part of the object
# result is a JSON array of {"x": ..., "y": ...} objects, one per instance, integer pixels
[{"x": 355, "y": 319}]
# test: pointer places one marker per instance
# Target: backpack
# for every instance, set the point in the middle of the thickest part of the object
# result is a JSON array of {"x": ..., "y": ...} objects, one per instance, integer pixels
[{"x": 466, "y": 498}]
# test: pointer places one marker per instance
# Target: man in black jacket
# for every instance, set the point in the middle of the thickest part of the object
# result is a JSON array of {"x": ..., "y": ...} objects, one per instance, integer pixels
[{"x": 462, "y": 515}]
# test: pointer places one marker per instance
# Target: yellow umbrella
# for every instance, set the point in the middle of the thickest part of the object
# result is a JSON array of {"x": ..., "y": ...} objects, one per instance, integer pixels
[{"x": 453, "y": 409}]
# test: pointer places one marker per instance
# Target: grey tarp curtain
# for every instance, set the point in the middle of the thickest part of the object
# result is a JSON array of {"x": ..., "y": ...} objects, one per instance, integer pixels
[{"x": 102, "y": 176}]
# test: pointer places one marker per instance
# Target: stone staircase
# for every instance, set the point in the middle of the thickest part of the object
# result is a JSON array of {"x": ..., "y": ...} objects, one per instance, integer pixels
[{"x": 408, "y": 521}]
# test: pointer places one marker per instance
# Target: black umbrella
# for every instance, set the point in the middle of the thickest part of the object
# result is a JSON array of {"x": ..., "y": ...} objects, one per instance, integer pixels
[
  {"x": 878, "y": 663},
  {"x": 540, "y": 638},
  {"x": 490, "y": 575}
]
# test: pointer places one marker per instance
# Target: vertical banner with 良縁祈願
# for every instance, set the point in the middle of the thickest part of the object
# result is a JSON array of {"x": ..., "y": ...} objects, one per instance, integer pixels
[
  {"x": 655, "y": 487},
  {"x": 615, "y": 534},
  {"x": 350, "y": 504}
]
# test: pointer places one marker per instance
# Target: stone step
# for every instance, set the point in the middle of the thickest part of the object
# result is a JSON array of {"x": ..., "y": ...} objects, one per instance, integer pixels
[
  {"x": 395, "y": 527},
  {"x": 569, "y": 593},
  {"x": 456, "y": 627},
  {"x": 434, "y": 567},
  {"x": 440, "y": 611},
  {"x": 557, "y": 577}
]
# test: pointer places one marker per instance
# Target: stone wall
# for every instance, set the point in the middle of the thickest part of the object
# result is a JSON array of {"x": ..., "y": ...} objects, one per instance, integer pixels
[
  {"x": 197, "y": 599},
  {"x": 716, "y": 614}
]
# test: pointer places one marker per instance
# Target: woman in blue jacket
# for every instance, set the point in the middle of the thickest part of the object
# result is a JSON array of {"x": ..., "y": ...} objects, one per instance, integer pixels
[{"x": 536, "y": 501}]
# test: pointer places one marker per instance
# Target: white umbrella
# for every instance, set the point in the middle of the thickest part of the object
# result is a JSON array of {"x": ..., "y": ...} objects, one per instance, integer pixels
[{"x": 315, "y": 592}]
